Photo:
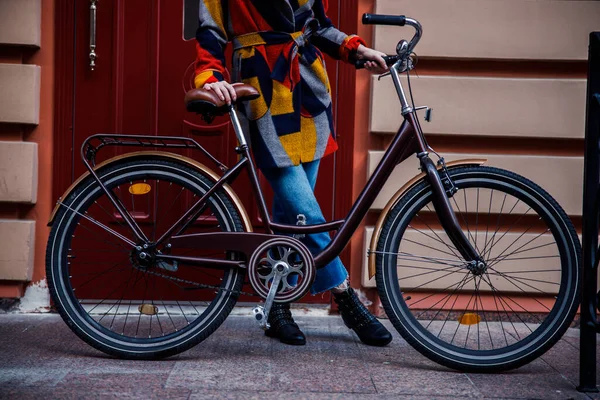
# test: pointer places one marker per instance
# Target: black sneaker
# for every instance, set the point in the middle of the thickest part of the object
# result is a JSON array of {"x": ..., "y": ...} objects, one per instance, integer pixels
[
  {"x": 356, "y": 317},
  {"x": 283, "y": 326}
]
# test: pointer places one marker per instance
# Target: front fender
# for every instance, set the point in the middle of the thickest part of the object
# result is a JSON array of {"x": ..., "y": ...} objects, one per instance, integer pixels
[
  {"x": 396, "y": 197},
  {"x": 166, "y": 156}
]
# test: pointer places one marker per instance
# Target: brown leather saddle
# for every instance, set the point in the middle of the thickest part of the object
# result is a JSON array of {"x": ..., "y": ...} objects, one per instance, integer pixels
[{"x": 209, "y": 105}]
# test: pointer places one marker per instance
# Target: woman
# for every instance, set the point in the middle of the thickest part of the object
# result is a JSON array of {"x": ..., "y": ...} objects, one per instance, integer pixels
[{"x": 277, "y": 49}]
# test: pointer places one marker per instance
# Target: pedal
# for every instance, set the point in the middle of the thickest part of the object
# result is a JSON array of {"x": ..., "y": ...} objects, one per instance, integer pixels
[{"x": 261, "y": 317}]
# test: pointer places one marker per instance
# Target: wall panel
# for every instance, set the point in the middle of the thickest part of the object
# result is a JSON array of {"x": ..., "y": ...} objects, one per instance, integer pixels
[
  {"x": 562, "y": 177},
  {"x": 20, "y": 94},
  {"x": 16, "y": 249},
  {"x": 18, "y": 172},
  {"x": 507, "y": 29},
  {"x": 541, "y": 108},
  {"x": 20, "y": 22}
]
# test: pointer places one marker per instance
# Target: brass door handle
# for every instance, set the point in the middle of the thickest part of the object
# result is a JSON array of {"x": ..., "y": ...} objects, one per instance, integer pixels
[{"x": 93, "y": 54}]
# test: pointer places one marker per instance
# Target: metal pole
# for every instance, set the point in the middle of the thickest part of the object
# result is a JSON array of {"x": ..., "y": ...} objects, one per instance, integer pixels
[{"x": 591, "y": 185}]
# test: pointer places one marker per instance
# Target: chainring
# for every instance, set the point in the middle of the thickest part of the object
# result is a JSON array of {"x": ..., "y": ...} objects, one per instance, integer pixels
[{"x": 291, "y": 257}]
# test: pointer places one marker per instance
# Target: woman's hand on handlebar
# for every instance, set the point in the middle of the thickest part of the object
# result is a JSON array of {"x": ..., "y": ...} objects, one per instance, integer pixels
[
  {"x": 376, "y": 63},
  {"x": 223, "y": 89}
]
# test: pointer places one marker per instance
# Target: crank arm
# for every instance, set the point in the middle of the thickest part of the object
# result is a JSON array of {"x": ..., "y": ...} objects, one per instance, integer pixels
[{"x": 261, "y": 313}]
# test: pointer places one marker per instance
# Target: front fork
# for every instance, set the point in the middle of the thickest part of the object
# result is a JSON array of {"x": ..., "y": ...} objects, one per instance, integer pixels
[{"x": 446, "y": 214}]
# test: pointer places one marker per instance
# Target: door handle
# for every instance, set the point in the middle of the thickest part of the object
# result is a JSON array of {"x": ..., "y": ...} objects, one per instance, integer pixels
[{"x": 93, "y": 54}]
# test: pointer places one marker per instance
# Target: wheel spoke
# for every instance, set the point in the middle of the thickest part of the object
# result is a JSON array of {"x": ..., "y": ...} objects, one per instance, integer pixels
[
  {"x": 450, "y": 247},
  {"x": 466, "y": 311},
  {"x": 458, "y": 285},
  {"x": 470, "y": 235},
  {"x": 429, "y": 247},
  {"x": 519, "y": 280}
]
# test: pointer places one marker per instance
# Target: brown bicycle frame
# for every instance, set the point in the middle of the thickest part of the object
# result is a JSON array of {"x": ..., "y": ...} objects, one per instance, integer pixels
[{"x": 409, "y": 140}]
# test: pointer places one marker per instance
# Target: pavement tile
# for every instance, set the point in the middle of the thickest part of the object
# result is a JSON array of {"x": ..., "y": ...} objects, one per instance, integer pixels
[
  {"x": 236, "y": 357},
  {"x": 594, "y": 395},
  {"x": 392, "y": 379},
  {"x": 329, "y": 363},
  {"x": 31, "y": 376},
  {"x": 76, "y": 393},
  {"x": 564, "y": 359},
  {"x": 94, "y": 365},
  {"x": 536, "y": 380},
  {"x": 41, "y": 358},
  {"x": 398, "y": 369},
  {"x": 115, "y": 381},
  {"x": 245, "y": 395}
]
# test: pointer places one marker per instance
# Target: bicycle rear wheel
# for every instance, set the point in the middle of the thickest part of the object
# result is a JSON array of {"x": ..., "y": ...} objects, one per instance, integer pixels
[
  {"x": 103, "y": 290},
  {"x": 480, "y": 319}
]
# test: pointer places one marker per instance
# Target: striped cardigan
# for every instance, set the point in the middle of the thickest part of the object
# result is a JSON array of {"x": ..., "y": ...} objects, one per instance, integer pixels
[{"x": 277, "y": 49}]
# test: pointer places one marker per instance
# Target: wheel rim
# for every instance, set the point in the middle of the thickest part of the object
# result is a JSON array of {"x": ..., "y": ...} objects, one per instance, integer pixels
[
  {"x": 460, "y": 316},
  {"x": 166, "y": 309}
]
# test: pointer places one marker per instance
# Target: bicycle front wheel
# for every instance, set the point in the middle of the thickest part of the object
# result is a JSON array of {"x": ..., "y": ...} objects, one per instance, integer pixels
[
  {"x": 487, "y": 319},
  {"x": 106, "y": 292}
]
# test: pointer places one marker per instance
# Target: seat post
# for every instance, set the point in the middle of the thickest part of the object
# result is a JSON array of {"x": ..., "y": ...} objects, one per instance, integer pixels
[{"x": 237, "y": 127}]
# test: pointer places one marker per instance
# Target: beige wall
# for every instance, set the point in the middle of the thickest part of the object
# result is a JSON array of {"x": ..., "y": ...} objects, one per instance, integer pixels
[
  {"x": 494, "y": 29},
  {"x": 506, "y": 81},
  {"x": 464, "y": 105},
  {"x": 26, "y": 93},
  {"x": 20, "y": 94},
  {"x": 562, "y": 177},
  {"x": 20, "y": 22}
]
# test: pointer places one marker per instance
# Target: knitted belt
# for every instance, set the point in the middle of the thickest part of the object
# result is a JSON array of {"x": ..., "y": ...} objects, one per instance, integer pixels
[{"x": 288, "y": 65}]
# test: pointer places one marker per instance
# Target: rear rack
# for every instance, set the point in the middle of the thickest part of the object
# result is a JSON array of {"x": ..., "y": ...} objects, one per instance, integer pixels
[{"x": 93, "y": 144}]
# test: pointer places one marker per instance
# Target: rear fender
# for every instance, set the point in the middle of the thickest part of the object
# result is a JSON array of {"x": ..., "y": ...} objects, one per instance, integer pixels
[{"x": 203, "y": 169}]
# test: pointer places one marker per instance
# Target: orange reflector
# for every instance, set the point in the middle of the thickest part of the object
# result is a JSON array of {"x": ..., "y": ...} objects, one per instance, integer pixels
[
  {"x": 148, "y": 309},
  {"x": 469, "y": 319},
  {"x": 139, "y": 188}
]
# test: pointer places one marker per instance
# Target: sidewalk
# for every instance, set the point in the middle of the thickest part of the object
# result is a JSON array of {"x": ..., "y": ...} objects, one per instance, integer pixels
[{"x": 41, "y": 358}]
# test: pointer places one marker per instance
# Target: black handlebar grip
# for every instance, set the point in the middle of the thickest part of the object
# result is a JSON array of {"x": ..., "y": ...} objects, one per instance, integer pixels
[
  {"x": 377, "y": 19},
  {"x": 389, "y": 60}
]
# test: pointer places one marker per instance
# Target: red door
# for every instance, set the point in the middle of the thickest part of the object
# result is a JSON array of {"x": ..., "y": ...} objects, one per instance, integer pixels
[{"x": 143, "y": 67}]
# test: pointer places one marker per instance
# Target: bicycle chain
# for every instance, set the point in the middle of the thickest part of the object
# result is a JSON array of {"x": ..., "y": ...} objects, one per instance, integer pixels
[{"x": 199, "y": 285}]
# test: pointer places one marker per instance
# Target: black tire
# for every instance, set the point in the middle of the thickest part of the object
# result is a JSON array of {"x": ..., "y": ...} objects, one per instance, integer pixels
[
  {"x": 526, "y": 320},
  {"x": 74, "y": 238}
]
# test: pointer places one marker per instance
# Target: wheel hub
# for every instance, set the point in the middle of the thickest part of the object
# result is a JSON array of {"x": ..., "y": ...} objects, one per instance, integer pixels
[
  {"x": 282, "y": 267},
  {"x": 477, "y": 267},
  {"x": 143, "y": 257}
]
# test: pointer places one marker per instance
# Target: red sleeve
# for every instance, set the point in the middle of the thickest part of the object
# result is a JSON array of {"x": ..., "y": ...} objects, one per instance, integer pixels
[{"x": 211, "y": 40}]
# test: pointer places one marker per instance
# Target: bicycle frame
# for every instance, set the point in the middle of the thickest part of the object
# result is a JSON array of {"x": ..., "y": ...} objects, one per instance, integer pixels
[{"x": 408, "y": 140}]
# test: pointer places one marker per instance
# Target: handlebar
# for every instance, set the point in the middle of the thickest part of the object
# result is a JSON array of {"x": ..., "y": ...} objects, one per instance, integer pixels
[
  {"x": 404, "y": 49},
  {"x": 377, "y": 19},
  {"x": 389, "y": 60}
]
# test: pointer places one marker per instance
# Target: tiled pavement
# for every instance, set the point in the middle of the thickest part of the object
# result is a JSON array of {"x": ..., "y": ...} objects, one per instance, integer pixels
[{"x": 41, "y": 358}]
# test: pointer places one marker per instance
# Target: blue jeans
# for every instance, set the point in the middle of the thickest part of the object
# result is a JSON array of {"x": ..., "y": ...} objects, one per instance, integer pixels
[{"x": 294, "y": 194}]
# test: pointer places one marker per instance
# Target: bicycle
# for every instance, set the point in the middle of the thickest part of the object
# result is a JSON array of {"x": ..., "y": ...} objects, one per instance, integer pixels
[{"x": 156, "y": 289}]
